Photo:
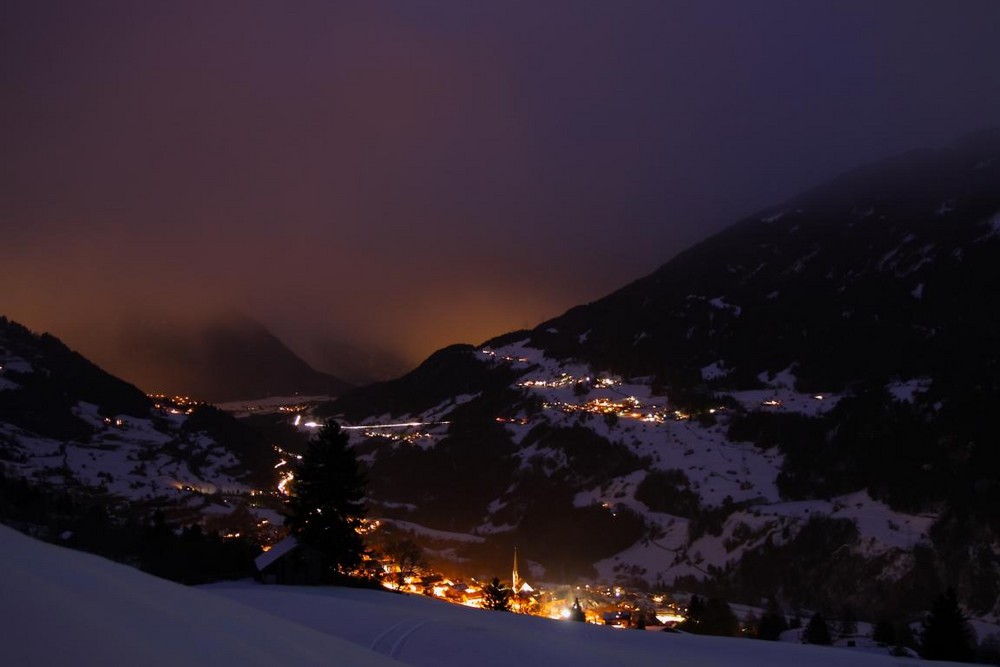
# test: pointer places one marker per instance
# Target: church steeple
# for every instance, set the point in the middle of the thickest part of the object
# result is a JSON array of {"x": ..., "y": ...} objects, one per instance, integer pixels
[{"x": 515, "y": 578}]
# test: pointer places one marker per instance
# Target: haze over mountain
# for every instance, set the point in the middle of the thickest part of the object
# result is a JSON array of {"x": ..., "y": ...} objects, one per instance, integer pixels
[
  {"x": 401, "y": 176},
  {"x": 225, "y": 360},
  {"x": 354, "y": 363}
]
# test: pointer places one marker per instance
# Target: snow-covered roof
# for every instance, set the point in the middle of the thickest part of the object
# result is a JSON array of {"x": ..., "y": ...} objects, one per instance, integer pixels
[{"x": 275, "y": 552}]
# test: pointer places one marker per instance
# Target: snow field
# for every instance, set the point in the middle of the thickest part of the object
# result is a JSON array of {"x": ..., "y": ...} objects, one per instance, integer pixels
[{"x": 63, "y": 607}]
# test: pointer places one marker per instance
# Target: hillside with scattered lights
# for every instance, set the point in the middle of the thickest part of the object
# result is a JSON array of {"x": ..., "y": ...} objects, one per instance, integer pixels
[{"x": 798, "y": 406}]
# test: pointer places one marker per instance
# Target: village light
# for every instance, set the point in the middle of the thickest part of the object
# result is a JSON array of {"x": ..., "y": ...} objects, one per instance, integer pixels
[
  {"x": 283, "y": 484},
  {"x": 668, "y": 618}
]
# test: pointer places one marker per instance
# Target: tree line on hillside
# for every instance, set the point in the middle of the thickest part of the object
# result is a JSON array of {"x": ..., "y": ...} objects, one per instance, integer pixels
[
  {"x": 186, "y": 554},
  {"x": 914, "y": 455},
  {"x": 944, "y": 634},
  {"x": 933, "y": 453}
]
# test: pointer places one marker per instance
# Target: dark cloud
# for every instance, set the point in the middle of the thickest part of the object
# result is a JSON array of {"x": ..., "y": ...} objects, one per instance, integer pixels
[{"x": 407, "y": 175}]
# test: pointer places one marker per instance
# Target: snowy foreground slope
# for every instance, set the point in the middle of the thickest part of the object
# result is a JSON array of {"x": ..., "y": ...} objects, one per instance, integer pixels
[{"x": 64, "y": 607}]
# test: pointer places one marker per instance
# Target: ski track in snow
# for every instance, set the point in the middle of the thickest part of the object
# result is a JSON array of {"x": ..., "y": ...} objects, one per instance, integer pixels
[{"x": 392, "y": 641}]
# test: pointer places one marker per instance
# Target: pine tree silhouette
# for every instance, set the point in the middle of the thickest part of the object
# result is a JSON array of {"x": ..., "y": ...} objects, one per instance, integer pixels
[
  {"x": 577, "y": 613},
  {"x": 496, "y": 596},
  {"x": 947, "y": 634},
  {"x": 772, "y": 622},
  {"x": 325, "y": 504},
  {"x": 817, "y": 631},
  {"x": 884, "y": 632}
]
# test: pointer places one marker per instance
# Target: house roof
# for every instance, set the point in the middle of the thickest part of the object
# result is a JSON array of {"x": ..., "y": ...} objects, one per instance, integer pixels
[{"x": 275, "y": 552}]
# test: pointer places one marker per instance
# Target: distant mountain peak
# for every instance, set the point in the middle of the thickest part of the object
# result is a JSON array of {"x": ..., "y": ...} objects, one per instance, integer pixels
[{"x": 225, "y": 360}]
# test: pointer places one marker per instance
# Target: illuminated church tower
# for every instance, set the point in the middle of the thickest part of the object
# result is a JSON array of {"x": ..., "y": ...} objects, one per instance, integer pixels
[{"x": 515, "y": 578}]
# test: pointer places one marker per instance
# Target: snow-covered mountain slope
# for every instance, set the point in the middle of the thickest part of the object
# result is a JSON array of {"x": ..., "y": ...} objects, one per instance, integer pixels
[
  {"x": 75, "y": 608},
  {"x": 605, "y": 472},
  {"x": 881, "y": 273},
  {"x": 127, "y": 457},
  {"x": 800, "y": 406},
  {"x": 67, "y": 425}
]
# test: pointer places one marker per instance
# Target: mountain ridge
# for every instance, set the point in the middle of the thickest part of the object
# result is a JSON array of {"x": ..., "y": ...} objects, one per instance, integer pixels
[
  {"x": 67, "y": 424},
  {"x": 818, "y": 212},
  {"x": 229, "y": 359}
]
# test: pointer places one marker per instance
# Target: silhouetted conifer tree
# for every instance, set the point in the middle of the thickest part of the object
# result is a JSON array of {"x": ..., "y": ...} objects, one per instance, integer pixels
[
  {"x": 496, "y": 596},
  {"x": 695, "y": 613},
  {"x": 325, "y": 504},
  {"x": 817, "y": 631},
  {"x": 577, "y": 613},
  {"x": 720, "y": 619},
  {"x": 772, "y": 622},
  {"x": 947, "y": 634},
  {"x": 848, "y": 622},
  {"x": 714, "y": 617},
  {"x": 883, "y": 632},
  {"x": 904, "y": 637}
]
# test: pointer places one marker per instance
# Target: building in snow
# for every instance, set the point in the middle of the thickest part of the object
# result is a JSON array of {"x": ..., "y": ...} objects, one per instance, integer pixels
[{"x": 290, "y": 563}]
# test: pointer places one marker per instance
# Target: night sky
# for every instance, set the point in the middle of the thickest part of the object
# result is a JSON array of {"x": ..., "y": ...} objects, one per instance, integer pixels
[{"x": 406, "y": 175}]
